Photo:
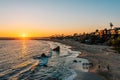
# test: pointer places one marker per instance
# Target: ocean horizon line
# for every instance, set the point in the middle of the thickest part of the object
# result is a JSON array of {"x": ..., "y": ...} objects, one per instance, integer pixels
[{"x": 26, "y": 38}]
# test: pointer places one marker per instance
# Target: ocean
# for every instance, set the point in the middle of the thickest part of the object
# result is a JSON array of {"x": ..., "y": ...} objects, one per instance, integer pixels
[
  {"x": 17, "y": 56},
  {"x": 18, "y": 60}
]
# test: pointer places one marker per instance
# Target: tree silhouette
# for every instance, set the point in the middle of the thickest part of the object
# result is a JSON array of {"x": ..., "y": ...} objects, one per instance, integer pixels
[
  {"x": 97, "y": 30},
  {"x": 111, "y": 25}
]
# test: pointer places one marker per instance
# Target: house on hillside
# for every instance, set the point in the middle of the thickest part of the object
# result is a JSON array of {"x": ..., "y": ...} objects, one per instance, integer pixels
[
  {"x": 101, "y": 32},
  {"x": 117, "y": 30},
  {"x": 113, "y": 31}
]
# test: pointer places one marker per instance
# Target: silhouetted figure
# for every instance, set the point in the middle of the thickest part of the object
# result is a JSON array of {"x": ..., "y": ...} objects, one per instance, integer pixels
[
  {"x": 108, "y": 67},
  {"x": 99, "y": 66},
  {"x": 57, "y": 49}
]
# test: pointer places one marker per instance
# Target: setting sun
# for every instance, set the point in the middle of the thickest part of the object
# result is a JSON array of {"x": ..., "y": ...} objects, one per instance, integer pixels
[{"x": 24, "y": 35}]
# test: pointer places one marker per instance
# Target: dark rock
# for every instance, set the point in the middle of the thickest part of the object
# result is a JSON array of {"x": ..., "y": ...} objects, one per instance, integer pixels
[
  {"x": 75, "y": 61},
  {"x": 57, "y": 49}
]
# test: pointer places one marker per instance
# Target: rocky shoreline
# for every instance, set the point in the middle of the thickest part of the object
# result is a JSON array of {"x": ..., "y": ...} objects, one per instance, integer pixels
[
  {"x": 105, "y": 60},
  {"x": 72, "y": 63}
]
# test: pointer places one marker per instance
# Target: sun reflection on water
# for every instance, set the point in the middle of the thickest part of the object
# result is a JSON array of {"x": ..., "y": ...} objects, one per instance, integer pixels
[{"x": 24, "y": 49}]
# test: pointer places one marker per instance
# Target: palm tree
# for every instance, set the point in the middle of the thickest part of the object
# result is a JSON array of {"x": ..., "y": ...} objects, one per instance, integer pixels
[
  {"x": 97, "y": 30},
  {"x": 111, "y": 25}
]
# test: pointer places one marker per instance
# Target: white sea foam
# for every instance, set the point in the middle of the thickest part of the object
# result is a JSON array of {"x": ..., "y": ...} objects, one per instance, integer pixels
[
  {"x": 70, "y": 56},
  {"x": 16, "y": 60},
  {"x": 16, "y": 56}
]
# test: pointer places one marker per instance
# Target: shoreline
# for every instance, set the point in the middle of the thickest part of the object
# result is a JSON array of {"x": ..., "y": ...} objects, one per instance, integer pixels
[
  {"x": 74, "y": 64},
  {"x": 99, "y": 55},
  {"x": 59, "y": 64},
  {"x": 69, "y": 63}
]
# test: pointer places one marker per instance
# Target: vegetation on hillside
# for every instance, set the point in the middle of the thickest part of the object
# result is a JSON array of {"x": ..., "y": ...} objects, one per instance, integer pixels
[{"x": 109, "y": 37}]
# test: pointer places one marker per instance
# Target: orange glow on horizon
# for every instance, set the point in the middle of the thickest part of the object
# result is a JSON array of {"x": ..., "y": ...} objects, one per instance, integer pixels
[
  {"x": 39, "y": 32},
  {"x": 33, "y": 34},
  {"x": 24, "y": 35}
]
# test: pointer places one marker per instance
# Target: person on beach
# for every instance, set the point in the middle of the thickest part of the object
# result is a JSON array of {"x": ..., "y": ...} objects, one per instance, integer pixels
[
  {"x": 99, "y": 67},
  {"x": 108, "y": 67}
]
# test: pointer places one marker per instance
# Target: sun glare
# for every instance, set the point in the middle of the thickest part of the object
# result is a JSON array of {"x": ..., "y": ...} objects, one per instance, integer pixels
[{"x": 24, "y": 35}]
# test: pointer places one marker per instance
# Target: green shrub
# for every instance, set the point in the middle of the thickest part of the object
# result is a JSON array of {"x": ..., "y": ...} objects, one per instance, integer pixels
[{"x": 116, "y": 42}]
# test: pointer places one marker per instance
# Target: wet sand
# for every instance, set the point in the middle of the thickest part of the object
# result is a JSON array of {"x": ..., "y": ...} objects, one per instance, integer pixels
[
  {"x": 101, "y": 56},
  {"x": 64, "y": 66}
]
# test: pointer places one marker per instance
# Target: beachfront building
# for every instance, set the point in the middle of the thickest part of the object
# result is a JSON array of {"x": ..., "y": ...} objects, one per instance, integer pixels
[
  {"x": 117, "y": 30},
  {"x": 105, "y": 32},
  {"x": 101, "y": 32},
  {"x": 108, "y": 32},
  {"x": 112, "y": 31},
  {"x": 97, "y": 32}
]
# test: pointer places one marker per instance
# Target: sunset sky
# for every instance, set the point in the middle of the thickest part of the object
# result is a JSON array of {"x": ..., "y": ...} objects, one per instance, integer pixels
[{"x": 38, "y": 18}]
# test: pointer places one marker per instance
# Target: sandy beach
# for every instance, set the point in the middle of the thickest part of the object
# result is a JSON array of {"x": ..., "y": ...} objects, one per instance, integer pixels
[
  {"x": 71, "y": 63},
  {"x": 64, "y": 66},
  {"x": 105, "y": 60}
]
